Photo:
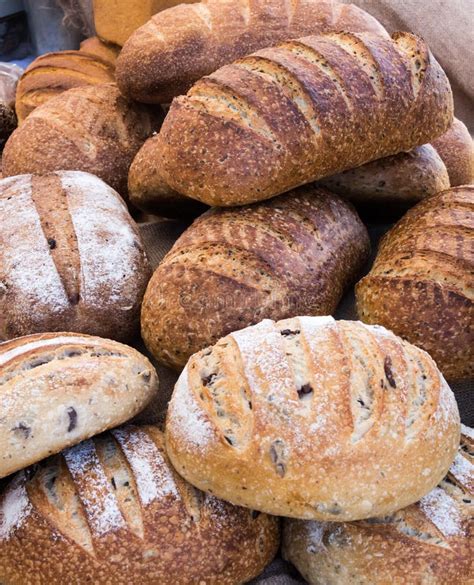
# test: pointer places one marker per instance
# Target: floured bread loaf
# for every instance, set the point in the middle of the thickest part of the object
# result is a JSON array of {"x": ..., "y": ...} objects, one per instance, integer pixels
[
  {"x": 58, "y": 389},
  {"x": 313, "y": 418},
  {"x": 429, "y": 542},
  {"x": 113, "y": 510}
]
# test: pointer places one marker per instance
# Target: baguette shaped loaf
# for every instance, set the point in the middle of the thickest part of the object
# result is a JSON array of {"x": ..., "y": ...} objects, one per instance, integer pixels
[
  {"x": 456, "y": 148},
  {"x": 429, "y": 542},
  {"x": 421, "y": 283},
  {"x": 58, "y": 389},
  {"x": 107, "y": 51},
  {"x": 296, "y": 113},
  {"x": 113, "y": 510},
  {"x": 163, "y": 58},
  {"x": 92, "y": 129},
  {"x": 71, "y": 258},
  {"x": 53, "y": 73},
  {"x": 295, "y": 254},
  {"x": 314, "y": 419}
]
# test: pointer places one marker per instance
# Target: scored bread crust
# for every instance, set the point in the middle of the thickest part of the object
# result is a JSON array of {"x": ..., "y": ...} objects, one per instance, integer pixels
[
  {"x": 420, "y": 285},
  {"x": 313, "y": 418},
  {"x": 107, "y": 51},
  {"x": 295, "y": 254},
  {"x": 431, "y": 541},
  {"x": 456, "y": 148},
  {"x": 57, "y": 389},
  {"x": 113, "y": 510}
]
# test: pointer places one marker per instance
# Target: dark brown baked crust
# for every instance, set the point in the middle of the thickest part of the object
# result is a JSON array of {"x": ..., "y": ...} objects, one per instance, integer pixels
[{"x": 456, "y": 148}]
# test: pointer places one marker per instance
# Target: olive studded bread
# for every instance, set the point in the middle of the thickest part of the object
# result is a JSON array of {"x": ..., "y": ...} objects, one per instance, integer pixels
[
  {"x": 293, "y": 114},
  {"x": 431, "y": 541},
  {"x": 113, "y": 510},
  {"x": 421, "y": 284},
  {"x": 295, "y": 254},
  {"x": 314, "y": 419},
  {"x": 58, "y": 389}
]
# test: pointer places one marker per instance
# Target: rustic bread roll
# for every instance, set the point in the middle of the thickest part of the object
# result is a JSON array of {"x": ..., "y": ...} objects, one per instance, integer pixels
[
  {"x": 113, "y": 510},
  {"x": 429, "y": 542},
  {"x": 58, "y": 389},
  {"x": 106, "y": 51},
  {"x": 177, "y": 47},
  {"x": 71, "y": 258},
  {"x": 420, "y": 285},
  {"x": 456, "y": 148},
  {"x": 53, "y": 73},
  {"x": 92, "y": 129},
  {"x": 296, "y": 113},
  {"x": 295, "y": 254},
  {"x": 313, "y": 418}
]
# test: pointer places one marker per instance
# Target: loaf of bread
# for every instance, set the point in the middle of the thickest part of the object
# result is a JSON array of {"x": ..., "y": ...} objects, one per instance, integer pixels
[
  {"x": 177, "y": 47},
  {"x": 296, "y": 113},
  {"x": 54, "y": 73},
  {"x": 8, "y": 123},
  {"x": 71, "y": 258},
  {"x": 456, "y": 148},
  {"x": 113, "y": 510},
  {"x": 92, "y": 129},
  {"x": 313, "y": 418},
  {"x": 106, "y": 51},
  {"x": 429, "y": 542},
  {"x": 58, "y": 389},
  {"x": 421, "y": 285},
  {"x": 293, "y": 255}
]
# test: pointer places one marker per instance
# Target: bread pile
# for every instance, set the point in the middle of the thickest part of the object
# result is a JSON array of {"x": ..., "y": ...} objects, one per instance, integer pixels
[{"x": 287, "y": 120}]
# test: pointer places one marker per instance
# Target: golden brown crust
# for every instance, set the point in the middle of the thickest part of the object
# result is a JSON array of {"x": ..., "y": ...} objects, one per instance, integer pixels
[
  {"x": 113, "y": 510},
  {"x": 107, "y": 51},
  {"x": 295, "y": 254},
  {"x": 420, "y": 285},
  {"x": 456, "y": 148}
]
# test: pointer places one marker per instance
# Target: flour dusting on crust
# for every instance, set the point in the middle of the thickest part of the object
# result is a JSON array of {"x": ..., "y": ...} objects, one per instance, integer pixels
[
  {"x": 441, "y": 509},
  {"x": 15, "y": 508}
]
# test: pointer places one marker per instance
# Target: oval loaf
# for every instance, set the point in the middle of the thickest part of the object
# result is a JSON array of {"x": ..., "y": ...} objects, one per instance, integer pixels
[
  {"x": 429, "y": 542},
  {"x": 456, "y": 148},
  {"x": 113, "y": 510},
  {"x": 71, "y": 258},
  {"x": 421, "y": 283},
  {"x": 295, "y": 254},
  {"x": 107, "y": 51},
  {"x": 313, "y": 418},
  {"x": 58, "y": 389}
]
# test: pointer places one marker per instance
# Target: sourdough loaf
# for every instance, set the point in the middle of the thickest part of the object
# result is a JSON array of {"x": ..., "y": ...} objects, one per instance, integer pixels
[
  {"x": 92, "y": 129},
  {"x": 456, "y": 148},
  {"x": 106, "y": 51},
  {"x": 71, "y": 258},
  {"x": 293, "y": 114},
  {"x": 421, "y": 285},
  {"x": 113, "y": 510},
  {"x": 177, "y": 47},
  {"x": 58, "y": 389},
  {"x": 295, "y": 254},
  {"x": 429, "y": 542},
  {"x": 313, "y": 418}
]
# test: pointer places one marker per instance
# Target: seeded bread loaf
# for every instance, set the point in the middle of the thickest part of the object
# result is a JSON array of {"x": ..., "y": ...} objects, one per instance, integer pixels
[
  {"x": 295, "y": 254},
  {"x": 456, "y": 148},
  {"x": 107, "y": 51},
  {"x": 421, "y": 285},
  {"x": 314, "y": 419},
  {"x": 113, "y": 510},
  {"x": 163, "y": 58},
  {"x": 429, "y": 542},
  {"x": 92, "y": 129},
  {"x": 58, "y": 389}
]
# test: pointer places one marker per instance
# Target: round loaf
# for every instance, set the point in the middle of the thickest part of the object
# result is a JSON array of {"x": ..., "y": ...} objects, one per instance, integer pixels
[
  {"x": 54, "y": 73},
  {"x": 313, "y": 418},
  {"x": 295, "y": 254},
  {"x": 58, "y": 389},
  {"x": 421, "y": 285},
  {"x": 92, "y": 129},
  {"x": 71, "y": 258},
  {"x": 429, "y": 542},
  {"x": 456, "y": 148},
  {"x": 113, "y": 510},
  {"x": 107, "y": 51}
]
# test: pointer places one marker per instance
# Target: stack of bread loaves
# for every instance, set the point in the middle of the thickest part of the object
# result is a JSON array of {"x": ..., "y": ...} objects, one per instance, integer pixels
[{"x": 283, "y": 117}]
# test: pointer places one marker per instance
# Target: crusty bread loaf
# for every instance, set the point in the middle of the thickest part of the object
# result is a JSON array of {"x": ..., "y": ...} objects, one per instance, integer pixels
[
  {"x": 58, "y": 389},
  {"x": 429, "y": 542},
  {"x": 107, "y": 51},
  {"x": 113, "y": 510},
  {"x": 92, "y": 129},
  {"x": 421, "y": 286},
  {"x": 177, "y": 47},
  {"x": 71, "y": 258},
  {"x": 456, "y": 148},
  {"x": 8, "y": 123},
  {"x": 295, "y": 254},
  {"x": 313, "y": 418},
  {"x": 54, "y": 73},
  {"x": 293, "y": 114}
]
